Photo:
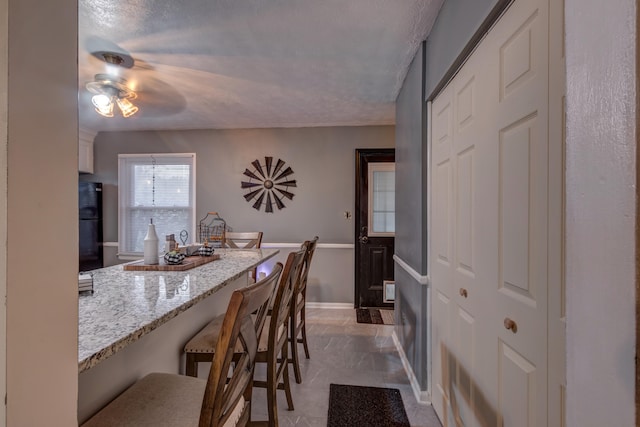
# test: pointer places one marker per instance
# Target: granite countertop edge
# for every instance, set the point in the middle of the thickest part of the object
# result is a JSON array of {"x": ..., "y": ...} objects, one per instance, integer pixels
[{"x": 97, "y": 357}]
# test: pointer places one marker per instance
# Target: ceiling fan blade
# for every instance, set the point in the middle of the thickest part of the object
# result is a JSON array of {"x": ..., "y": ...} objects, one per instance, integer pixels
[
  {"x": 285, "y": 193},
  {"x": 256, "y": 164},
  {"x": 268, "y": 162}
]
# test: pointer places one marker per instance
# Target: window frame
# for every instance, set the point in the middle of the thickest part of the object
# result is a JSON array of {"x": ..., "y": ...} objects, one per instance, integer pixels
[
  {"x": 124, "y": 163},
  {"x": 372, "y": 169}
]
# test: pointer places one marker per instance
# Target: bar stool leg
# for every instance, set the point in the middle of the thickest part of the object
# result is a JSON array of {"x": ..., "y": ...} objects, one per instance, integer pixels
[
  {"x": 285, "y": 379},
  {"x": 272, "y": 387},
  {"x": 304, "y": 333},
  {"x": 294, "y": 349},
  {"x": 191, "y": 366}
]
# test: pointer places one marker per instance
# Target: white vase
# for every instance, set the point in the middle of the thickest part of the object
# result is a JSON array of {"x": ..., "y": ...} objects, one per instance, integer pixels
[{"x": 151, "y": 246}]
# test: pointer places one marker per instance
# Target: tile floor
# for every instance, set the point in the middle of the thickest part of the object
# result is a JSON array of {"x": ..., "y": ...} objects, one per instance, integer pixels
[{"x": 343, "y": 352}]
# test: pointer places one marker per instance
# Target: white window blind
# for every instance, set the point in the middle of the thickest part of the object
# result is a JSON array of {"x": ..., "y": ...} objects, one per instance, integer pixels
[{"x": 159, "y": 187}]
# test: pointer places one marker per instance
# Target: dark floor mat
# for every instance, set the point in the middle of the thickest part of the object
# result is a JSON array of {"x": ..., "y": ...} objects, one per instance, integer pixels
[
  {"x": 359, "y": 406},
  {"x": 374, "y": 315}
]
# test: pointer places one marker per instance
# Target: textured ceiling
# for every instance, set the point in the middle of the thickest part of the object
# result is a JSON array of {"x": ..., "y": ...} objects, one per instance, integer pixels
[{"x": 220, "y": 64}]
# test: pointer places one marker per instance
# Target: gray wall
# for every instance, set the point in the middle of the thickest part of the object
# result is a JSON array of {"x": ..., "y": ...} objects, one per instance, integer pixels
[
  {"x": 411, "y": 168},
  {"x": 454, "y": 27},
  {"x": 457, "y": 21},
  {"x": 323, "y": 161},
  {"x": 411, "y": 225},
  {"x": 331, "y": 275}
]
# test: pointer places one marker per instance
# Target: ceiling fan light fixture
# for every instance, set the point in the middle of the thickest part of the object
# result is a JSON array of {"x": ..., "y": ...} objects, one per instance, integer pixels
[
  {"x": 103, "y": 104},
  {"x": 126, "y": 107},
  {"x": 108, "y": 90},
  {"x": 101, "y": 100}
]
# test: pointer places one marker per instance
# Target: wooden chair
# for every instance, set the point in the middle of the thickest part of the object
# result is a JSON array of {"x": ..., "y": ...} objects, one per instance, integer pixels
[
  {"x": 297, "y": 325},
  {"x": 243, "y": 240},
  {"x": 224, "y": 399},
  {"x": 273, "y": 351},
  {"x": 272, "y": 348}
]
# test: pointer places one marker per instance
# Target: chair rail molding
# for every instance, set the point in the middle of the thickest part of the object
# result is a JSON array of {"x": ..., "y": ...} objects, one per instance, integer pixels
[
  {"x": 279, "y": 245},
  {"x": 423, "y": 280},
  {"x": 297, "y": 245}
]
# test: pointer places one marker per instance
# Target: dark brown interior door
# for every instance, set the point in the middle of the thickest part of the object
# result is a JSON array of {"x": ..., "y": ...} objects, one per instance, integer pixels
[{"x": 374, "y": 228}]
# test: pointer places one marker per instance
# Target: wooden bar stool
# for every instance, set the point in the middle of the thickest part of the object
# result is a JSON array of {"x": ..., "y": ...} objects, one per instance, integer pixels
[
  {"x": 273, "y": 345},
  {"x": 273, "y": 351},
  {"x": 297, "y": 325},
  {"x": 243, "y": 240},
  {"x": 224, "y": 399}
]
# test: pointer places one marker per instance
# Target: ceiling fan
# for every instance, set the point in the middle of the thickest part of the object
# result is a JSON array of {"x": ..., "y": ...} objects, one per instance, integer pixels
[
  {"x": 110, "y": 90},
  {"x": 119, "y": 82}
]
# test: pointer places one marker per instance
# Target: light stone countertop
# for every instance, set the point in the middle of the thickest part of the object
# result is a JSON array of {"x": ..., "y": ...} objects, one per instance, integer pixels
[{"x": 126, "y": 305}]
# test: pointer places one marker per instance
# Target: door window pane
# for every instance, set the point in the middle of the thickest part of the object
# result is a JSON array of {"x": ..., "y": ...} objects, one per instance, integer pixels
[{"x": 382, "y": 198}]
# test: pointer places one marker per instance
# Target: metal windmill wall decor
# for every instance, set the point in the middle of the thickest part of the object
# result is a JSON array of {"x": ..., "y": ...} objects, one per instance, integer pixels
[{"x": 268, "y": 184}]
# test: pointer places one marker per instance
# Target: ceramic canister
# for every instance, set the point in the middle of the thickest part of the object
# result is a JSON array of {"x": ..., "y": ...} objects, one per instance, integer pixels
[{"x": 151, "y": 245}]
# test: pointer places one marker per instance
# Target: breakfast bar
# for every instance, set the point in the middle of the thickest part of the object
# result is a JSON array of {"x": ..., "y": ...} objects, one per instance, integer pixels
[{"x": 136, "y": 322}]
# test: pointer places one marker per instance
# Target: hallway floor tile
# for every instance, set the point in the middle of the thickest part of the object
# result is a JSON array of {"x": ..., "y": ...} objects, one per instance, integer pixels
[{"x": 342, "y": 352}]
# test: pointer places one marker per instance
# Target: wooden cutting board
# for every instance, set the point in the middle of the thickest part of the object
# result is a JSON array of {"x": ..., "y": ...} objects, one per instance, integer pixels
[{"x": 187, "y": 264}]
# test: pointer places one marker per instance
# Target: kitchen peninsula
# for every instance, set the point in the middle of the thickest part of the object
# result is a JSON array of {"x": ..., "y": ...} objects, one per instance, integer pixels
[{"x": 137, "y": 322}]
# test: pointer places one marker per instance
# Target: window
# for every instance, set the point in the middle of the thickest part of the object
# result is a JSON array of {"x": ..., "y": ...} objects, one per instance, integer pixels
[
  {"x": 382, "y": 198},
  {"x": 159, "y": 187}
]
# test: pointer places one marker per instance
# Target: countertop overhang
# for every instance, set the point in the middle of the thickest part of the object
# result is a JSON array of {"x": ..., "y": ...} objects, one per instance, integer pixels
[{"x": 127, "y": 305}]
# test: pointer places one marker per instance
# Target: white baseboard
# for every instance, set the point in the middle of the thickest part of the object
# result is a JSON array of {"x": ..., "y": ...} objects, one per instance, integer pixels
[
  {"x": 340, "y": 305},
  {"x": 422, "y": 396}
]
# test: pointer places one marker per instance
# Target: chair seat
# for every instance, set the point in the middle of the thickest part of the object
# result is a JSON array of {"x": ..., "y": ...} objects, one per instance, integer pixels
[
  {"x": 159, "y": 400},
  {"x": 156, "y": 400},
  {"x": 205, "y": 340}
]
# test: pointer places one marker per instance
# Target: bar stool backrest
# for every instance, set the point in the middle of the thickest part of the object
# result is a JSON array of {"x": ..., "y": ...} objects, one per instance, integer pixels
[
  {"x": 237, "y": 343},
  {"x": 242, "y": 240},
  {"x": 283, "y": 300},
  {"x": 311, "y": 248}
]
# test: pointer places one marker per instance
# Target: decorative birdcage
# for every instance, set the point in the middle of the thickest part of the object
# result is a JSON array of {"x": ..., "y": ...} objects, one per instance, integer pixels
[{"x": 212, "y": 229}]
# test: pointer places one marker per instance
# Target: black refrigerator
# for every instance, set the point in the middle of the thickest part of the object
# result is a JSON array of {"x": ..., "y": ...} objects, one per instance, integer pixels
[{"x": 90, "y": 214}]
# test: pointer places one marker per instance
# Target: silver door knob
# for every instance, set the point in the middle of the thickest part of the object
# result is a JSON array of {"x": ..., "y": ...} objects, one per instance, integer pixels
[{"x": 364, "y": 239}]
